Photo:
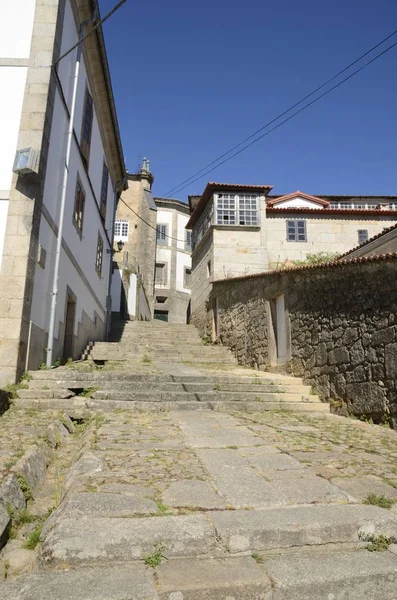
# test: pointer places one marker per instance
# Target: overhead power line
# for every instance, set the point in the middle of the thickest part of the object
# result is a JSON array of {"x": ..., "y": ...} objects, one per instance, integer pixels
[
  {"x": 149, "y": 224},
  {"x": 218, "y": 161},
  {"x": 100, "y": 22}
]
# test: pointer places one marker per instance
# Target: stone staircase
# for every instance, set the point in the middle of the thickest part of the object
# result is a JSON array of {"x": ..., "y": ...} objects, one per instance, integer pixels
[
  {"x": 168, "y": 503},
  {"x": 158, "y": 367}
]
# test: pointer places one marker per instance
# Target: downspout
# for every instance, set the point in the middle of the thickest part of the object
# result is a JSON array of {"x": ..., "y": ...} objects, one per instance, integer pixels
[
  {"x": 54, "y": 293},
  {"x": 109, "y": 296}
]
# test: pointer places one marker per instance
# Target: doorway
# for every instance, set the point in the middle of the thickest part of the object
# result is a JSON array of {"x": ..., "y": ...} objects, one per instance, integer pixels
[
  {"x": 278, "y": 340},
  {"x": 69, "y": 326},
  {"x": 215, "y": 323}
]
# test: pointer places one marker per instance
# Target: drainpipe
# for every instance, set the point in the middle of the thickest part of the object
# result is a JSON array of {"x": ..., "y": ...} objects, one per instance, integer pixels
[
  {"x": 54, "y": 293},
  {"x": 109, "y": 296}
]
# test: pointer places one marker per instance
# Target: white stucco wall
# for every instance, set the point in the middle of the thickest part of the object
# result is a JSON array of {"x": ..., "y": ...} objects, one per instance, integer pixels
[
  {"x": 132, "y": 295},
  {"x": 183, "y": 261},
  {"x": 89, "y": 289},
  {"x": 16, "y": 16},
  {"x": 181, "y": 231},
  {"x": 297, "y": 202}
]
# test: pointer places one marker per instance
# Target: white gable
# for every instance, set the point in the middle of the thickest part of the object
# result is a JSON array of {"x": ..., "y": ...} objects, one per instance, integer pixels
[{"x": 297, "y": 202}]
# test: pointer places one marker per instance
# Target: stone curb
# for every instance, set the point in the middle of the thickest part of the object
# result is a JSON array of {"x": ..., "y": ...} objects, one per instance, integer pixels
[{"x": 30, "y": 469}]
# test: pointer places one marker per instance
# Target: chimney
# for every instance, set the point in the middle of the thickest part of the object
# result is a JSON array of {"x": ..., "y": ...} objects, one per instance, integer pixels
[{"x": 145, "y": 174}]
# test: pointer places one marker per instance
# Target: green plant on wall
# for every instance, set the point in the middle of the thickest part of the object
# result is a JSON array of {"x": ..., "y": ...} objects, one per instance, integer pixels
[{"x": 317, "y": 258}]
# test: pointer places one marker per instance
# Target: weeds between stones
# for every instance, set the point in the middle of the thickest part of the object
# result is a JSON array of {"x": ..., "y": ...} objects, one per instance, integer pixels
[
  {"x": 27, "y": 492},
  {"x": 380, "y": 501},
  {"x": 33, "y": 538},
  {"x": 153, "y": 560},
  {"x": 379, "y": 543},
  {"x": 258, "y": 558}
]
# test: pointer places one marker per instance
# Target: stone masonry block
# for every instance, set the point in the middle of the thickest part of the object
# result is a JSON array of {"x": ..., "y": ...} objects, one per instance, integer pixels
[{"x": 391, "y": 361}]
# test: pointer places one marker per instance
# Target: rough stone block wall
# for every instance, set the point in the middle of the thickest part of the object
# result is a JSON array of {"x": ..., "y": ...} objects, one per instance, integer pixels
[{"x": 343, "y": 330}]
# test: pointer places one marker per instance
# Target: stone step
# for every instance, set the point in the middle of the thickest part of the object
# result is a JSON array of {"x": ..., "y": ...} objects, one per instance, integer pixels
[
  {"x": 104, "y": 538},
  {"x": 128, "y": 356},
  {"x": 188, "y": 396},
  {"x": 167, "y": 396},
  {"x": 169, "y": 386},
  {"x": 63, "y": 373},
  {"x": 294, "y": 526},
  {"x": 120, "y": 582},
  {"x": 333, "y": 575},
  {"x": 78, "y": 402}
]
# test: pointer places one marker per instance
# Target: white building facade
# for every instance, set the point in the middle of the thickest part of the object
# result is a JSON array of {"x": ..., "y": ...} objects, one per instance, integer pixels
[
  {"x": 30, "y": 204},
  {"x": 173, "y": 262}
]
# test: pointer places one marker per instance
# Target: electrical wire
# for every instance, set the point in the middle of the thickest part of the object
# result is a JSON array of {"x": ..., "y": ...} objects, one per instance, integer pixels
[
  {"x": 100, "y": 22},
  {"x": 199, "y": 174},
  {"x": 149, "y": 224}
]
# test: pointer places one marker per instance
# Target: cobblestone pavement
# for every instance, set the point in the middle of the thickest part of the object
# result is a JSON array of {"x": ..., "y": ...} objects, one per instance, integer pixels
[
  {"x": 19, "y": 429},
  {"x": 215, "y": 505}
]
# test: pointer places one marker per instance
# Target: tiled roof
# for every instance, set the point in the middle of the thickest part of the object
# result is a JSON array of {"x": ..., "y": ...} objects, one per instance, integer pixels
[
  {"x": 332, "y": 211},
  {"x": 212, "y": 187},
  {"x": 315, "y": 199},
  {"x": 375, "y": 237},
  {"x": 391, "y": 256}
]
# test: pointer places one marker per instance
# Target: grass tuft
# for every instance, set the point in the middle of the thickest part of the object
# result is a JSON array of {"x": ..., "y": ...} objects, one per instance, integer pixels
[
  {"x": 33, "y": 538},
  {"x": 379, "y": 543},
  {"x": 153, "y": 560},
  {"x": 380, "y": 501}
]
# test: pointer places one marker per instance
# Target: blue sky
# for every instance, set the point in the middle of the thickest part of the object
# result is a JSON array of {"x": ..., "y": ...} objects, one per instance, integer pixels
[{"x": 192, "y": 79}]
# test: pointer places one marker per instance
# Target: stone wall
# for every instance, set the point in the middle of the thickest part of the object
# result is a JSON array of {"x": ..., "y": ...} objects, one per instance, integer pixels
[{"x": 342, "y": 330}]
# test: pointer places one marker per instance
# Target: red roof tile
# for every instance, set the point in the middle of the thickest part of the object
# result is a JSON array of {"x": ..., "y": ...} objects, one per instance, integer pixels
[{"x": 315, "y": 199}]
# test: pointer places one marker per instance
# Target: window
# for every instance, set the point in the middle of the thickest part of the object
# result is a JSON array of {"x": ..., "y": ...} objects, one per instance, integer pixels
[
  {"x": 99, "y": 256},
  {"x": 79, "y": 203},
  {"x": 296, "y": 231},
  {"x": 188, "y": 241},
  {"x": 362, "y": 236},
  {"x": 160, "y": 274},
  {"x": 86, "y": 127},
  {"x": 121, "y": 228},
  {"x": 209, "y": 268},
  {"x": 187, "y": 278},
  {"x": 104, "y": 191},
  {"x": 161, "y": 299},
  {"x": 162, "y": 234},
  {"x": 232, "y": 209}
]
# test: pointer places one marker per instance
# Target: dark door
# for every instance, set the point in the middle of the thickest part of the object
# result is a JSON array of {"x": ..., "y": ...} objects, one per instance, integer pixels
[{"x": 69, "y": 328}]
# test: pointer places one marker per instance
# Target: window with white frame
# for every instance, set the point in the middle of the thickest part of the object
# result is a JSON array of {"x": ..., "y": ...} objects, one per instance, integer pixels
[
  {"x": 234, "y": 209},
  {"x": 162, "y": 234},
  {"x": 121, "y": 228},
  {"x": 362, "y": 236},
  {"x": 296, "y": 231}
]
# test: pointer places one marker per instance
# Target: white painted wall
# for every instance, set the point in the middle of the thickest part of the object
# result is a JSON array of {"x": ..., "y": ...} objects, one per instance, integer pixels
[
  {"x": 16, "y": 25},
  {"x": 298, "y": 202},
  {"x": 90, "y": 290},
  {"x": 132, "y": 295},
  {"x": 182, "y": 221},
  {"x": 183, "y": 260}
]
